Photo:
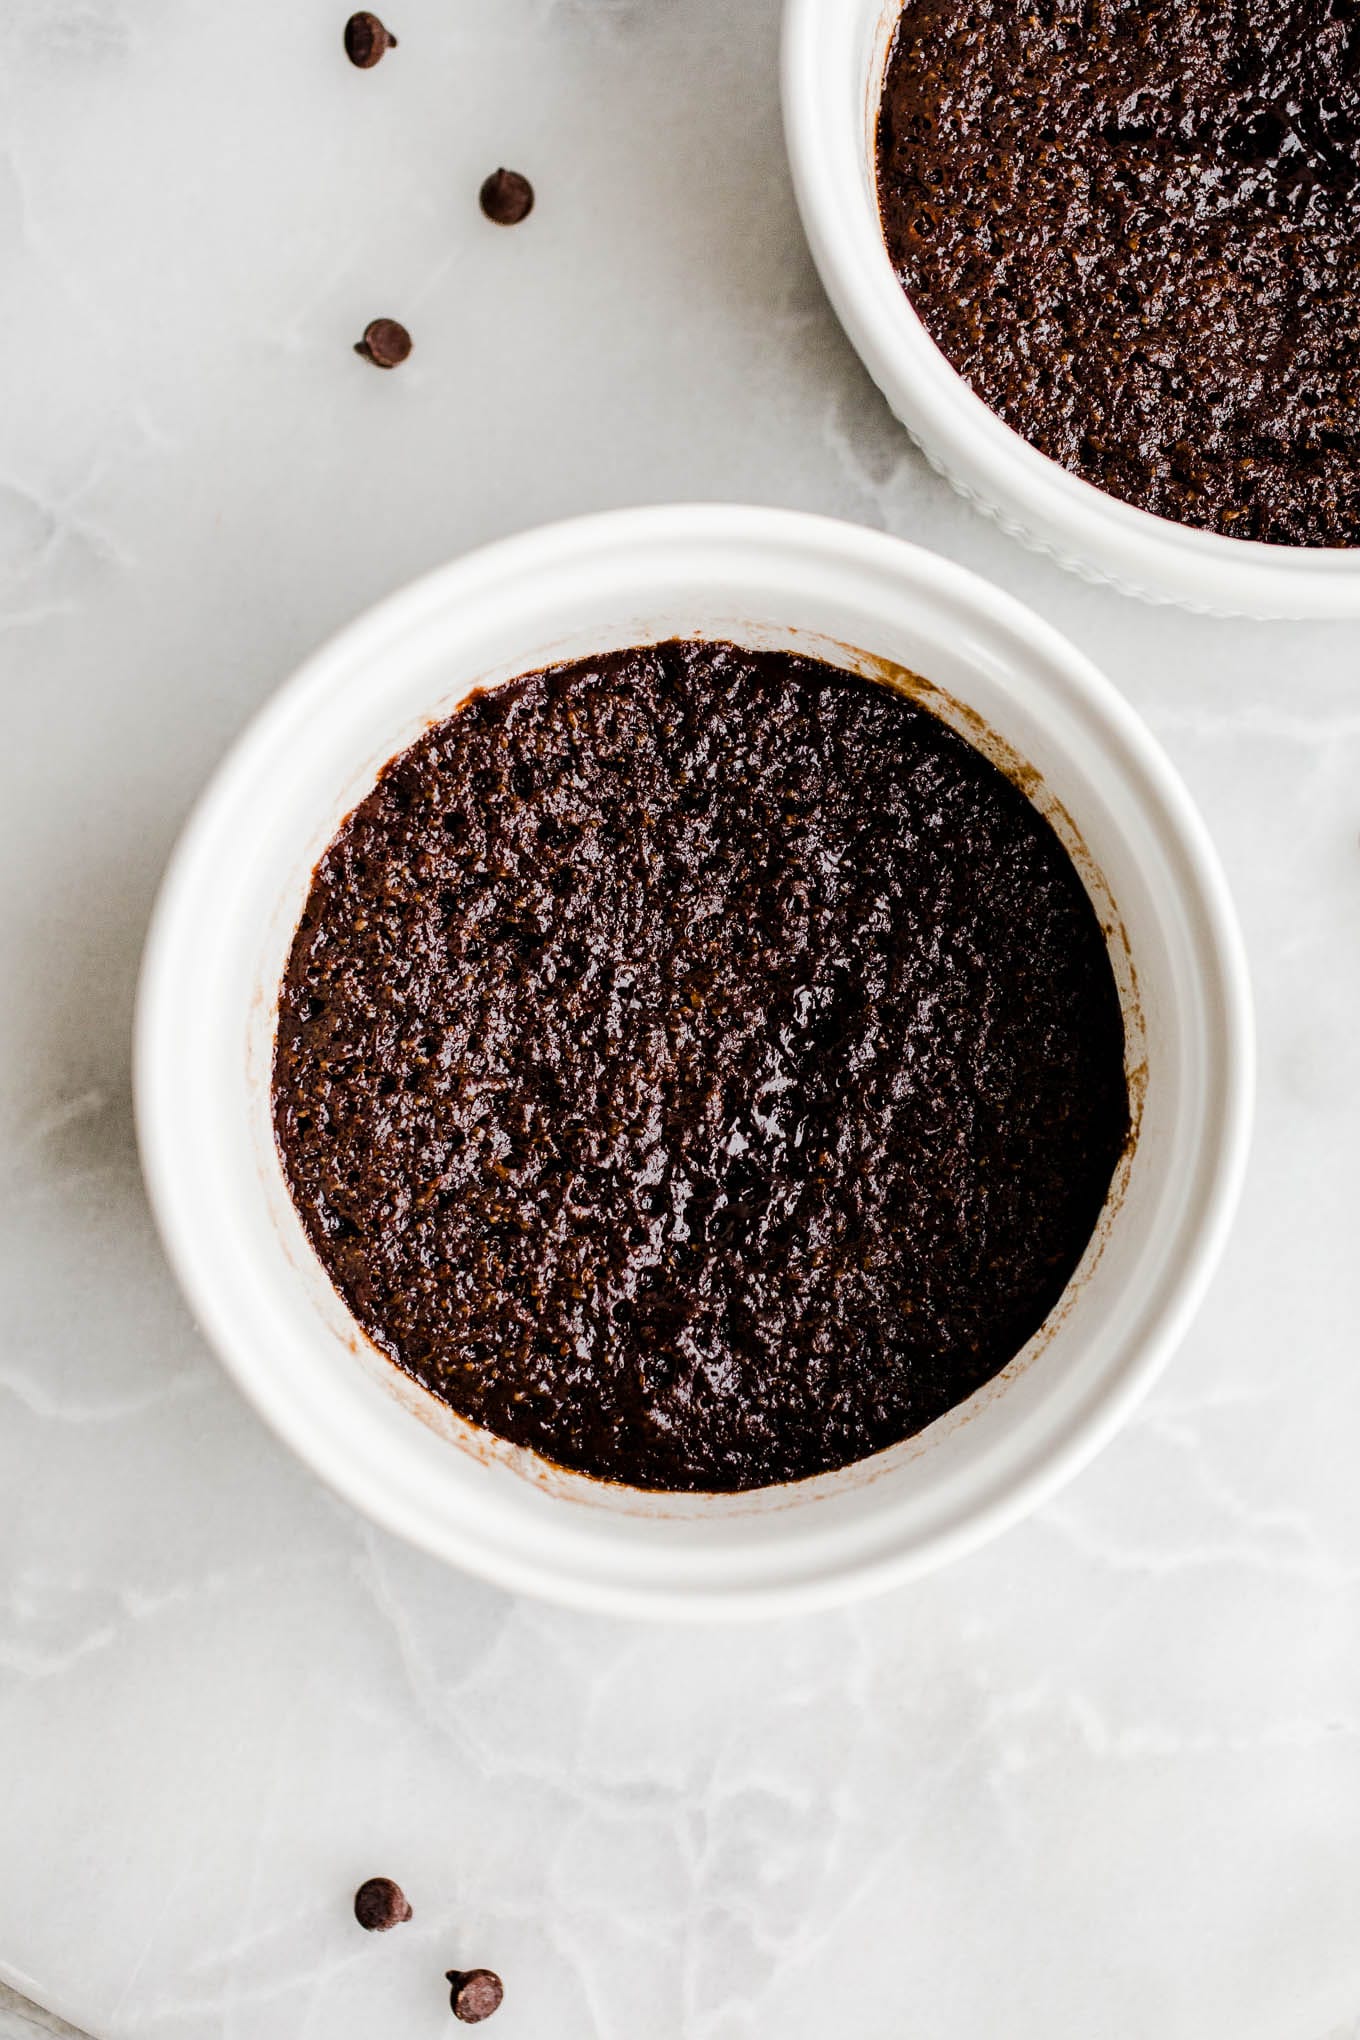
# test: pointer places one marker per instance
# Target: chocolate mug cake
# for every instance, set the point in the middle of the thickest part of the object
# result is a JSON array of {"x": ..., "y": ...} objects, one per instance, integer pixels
[
  {"x": 698, "y": 1065},
  {"x": 1134, "y": 230}
]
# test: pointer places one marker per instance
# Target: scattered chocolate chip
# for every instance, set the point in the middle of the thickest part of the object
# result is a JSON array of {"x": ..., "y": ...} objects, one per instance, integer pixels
[
  {"x": 380, "y": 1904},
  {"x": 507, "y": 198},
  {"x": 474, "y": 1994},
  {"x": 367, "y": 41},
  {"x": 385, "y": 343}
]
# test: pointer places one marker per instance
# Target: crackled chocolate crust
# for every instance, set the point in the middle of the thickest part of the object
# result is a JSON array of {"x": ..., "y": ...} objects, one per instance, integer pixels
[
  {"x": 1133, "y": 226},
  {"x": 700, "y": 1066}
]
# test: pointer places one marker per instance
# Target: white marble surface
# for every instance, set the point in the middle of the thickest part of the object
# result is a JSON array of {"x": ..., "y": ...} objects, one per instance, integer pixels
[
  {"x": 1103, "y": 1779},
  {"x": 21, "y": 2019}
]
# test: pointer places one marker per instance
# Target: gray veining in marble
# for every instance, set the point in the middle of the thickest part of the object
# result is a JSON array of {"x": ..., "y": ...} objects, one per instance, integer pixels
[
  {"x": 20, "y": 2019},
  {"x": 1103, "y": 1778}
]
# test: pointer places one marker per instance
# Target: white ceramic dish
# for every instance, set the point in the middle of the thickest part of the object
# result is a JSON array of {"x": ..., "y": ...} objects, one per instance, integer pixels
[
  {"x": 225, "y": 919},
  {"x": 833, "y": 57}
]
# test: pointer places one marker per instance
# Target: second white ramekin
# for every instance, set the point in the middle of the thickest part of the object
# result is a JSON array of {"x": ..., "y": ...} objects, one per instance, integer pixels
[{"x": 833, "y": 57}]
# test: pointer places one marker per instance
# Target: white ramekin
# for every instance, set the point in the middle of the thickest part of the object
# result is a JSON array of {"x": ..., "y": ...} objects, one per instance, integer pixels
[
  {"x": 220, "y": 935},
  {"x": 833, "y": 58}
]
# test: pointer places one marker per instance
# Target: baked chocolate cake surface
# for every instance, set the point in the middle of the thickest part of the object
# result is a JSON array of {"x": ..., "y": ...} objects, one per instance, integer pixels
[
  {"x": 698, "y": 1065},
  {"x": 1133, "y": 226}
]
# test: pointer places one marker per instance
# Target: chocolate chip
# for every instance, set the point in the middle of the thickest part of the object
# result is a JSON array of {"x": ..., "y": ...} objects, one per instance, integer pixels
[
  {"x": 385, "y": 343},
  {"x": 475, "y": 1994},
  {"x": 507, "y": 198},
  {"x": 380, "y": 1904},
  {"x": 366, "y": 40}
]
